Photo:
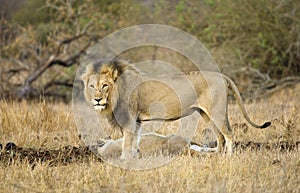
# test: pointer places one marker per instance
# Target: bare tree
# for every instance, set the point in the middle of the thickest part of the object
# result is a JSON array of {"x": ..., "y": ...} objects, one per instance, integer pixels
[{"x": 67, "y": 41}]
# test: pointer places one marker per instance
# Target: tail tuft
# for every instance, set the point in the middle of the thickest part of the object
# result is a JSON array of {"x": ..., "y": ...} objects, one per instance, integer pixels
[{"x": 266, "y": 124}]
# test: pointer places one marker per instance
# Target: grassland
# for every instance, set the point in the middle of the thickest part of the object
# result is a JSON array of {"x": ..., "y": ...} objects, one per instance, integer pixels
[{"x": 51, "y": 126}]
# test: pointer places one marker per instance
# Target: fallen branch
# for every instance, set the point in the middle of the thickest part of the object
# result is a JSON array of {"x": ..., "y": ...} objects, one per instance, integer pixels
[
  {"x": 57, "y": 83},
  {"x": 259, "y": 85}
]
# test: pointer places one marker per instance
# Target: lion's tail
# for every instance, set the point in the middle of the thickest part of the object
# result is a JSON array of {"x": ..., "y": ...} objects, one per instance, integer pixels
[{"x": 240, "y": 103}]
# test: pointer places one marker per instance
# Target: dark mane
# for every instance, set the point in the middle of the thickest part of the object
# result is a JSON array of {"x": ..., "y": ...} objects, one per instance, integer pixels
[
  {"x": 119, "y": 65},
  {"x": 104, "y": 67}
]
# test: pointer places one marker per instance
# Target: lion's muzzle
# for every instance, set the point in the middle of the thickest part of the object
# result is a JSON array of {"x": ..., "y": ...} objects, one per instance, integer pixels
[
  {"x": 100, "y": 107},
  {"x": 100, "y": 104}
]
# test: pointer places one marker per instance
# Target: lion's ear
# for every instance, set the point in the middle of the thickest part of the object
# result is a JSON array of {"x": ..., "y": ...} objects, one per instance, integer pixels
[
  {"x": 85, "y": 78},
  {"x": 115, "y": 75}
]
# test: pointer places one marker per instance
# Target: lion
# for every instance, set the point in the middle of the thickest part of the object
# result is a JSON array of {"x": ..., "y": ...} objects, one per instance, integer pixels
[
  {"x": 150, "y": 144},
  {"x": 122, "y": 95}
]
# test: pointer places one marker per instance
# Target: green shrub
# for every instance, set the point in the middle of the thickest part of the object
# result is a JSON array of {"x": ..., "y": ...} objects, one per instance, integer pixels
[
  {"x": 263, "y": 34},
  {"x": 32, "y": 12}
]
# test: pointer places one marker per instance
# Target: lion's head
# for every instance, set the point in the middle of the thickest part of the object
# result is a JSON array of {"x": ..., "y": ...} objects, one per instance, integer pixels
[{"x": 99, "y": 81}]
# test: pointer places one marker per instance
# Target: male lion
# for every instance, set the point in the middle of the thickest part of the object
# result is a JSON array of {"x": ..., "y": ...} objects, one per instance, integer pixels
[{"x": 123, "y": 96}]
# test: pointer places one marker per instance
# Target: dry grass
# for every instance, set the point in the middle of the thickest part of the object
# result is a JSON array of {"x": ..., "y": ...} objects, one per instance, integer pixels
[{"x": 51, "y": 126}]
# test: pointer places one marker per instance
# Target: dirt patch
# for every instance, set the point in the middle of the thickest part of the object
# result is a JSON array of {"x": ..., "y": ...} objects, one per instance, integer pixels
[
  {"x": 282, "y": 146},
  {"x": 71, "y": 154},
  {"x": 65, "y": 155}
]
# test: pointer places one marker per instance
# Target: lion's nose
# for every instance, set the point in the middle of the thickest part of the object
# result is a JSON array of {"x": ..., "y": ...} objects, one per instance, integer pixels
[{"x": 98, "y": 100}]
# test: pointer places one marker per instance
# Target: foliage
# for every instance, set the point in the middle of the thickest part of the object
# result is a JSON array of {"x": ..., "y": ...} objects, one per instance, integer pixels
[
  {"x": 260, "y": 34},
  {"x": 32, "y": 12},
  {"x": 41, "y": 47}
]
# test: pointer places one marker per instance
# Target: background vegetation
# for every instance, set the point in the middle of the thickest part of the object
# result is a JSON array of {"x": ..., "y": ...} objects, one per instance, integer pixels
[{"x": 42, "y": 40}]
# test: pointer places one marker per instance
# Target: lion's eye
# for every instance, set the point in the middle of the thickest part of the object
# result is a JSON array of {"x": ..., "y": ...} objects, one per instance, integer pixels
[
  {"x": 104, "y": 87},
  {"x": 91, "y": 86}
]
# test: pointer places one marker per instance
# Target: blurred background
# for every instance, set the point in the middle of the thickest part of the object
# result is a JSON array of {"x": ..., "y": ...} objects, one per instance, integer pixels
[{"x": 257, "y": 43}]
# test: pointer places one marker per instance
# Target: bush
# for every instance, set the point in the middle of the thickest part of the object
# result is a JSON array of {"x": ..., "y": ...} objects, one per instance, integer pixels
[{"x": 262, "y": 34}]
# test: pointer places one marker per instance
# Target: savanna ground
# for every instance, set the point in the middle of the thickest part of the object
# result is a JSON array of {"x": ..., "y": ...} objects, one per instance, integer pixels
[{"x": 50, "y": 131}]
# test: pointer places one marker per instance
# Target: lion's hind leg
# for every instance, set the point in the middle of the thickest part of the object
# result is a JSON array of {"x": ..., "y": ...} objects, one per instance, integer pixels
[
  {"x": 219, "y": 135},
  {"x": 224, "y": 137},
  {"x": 227, "y": 133},
  {"x": 228, "y": 137},
  {"x": 221, "y": 141},
  {"x": 223, "y": 134}
]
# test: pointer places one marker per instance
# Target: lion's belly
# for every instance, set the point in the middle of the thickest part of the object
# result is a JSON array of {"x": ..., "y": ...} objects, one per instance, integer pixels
[{"x": 161, "y": 101}]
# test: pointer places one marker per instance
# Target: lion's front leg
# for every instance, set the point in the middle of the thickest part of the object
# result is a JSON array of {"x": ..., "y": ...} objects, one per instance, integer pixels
[{"x": 130, "y": 146}]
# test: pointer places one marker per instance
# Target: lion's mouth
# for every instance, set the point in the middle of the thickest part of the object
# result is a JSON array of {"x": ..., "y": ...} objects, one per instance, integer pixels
[{"x": 100, "y": 107}]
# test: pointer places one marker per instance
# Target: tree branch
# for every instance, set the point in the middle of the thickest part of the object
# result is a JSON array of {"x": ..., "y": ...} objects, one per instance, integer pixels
[{"x": 58, "y": 83}]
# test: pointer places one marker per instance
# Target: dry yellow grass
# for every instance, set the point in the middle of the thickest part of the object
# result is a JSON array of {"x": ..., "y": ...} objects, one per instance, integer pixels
[{"x": 51, "y": 126}]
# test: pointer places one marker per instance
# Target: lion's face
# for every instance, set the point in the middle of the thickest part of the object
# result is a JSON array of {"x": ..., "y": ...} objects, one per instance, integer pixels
[{"x": 98, "y": 90}]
